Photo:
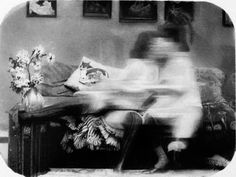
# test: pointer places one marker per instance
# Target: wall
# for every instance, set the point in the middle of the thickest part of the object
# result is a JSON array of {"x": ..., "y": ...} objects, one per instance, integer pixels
[
  {"x": 213, "y": 43},
  {"x": 71, "y": 36}
]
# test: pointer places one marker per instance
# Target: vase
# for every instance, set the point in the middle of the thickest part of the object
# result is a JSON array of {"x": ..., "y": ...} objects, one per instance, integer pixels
[{"x": 32, "y": 100}]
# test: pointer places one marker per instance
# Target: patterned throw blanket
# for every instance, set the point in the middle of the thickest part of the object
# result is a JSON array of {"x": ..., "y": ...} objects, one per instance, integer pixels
[{"x": 93, "y": 133}]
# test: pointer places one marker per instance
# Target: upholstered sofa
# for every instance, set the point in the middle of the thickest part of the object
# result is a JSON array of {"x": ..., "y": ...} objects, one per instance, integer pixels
[{"x": 33, "y": 133}]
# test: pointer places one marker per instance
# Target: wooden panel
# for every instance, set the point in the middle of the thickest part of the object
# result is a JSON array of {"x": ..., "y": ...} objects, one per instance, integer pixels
[
  {"x": 43, "y": 148},
  {"x": 27, "y": 149},
  {"x": 33, "y": 151},
  {"x": 14, "y": 146}
]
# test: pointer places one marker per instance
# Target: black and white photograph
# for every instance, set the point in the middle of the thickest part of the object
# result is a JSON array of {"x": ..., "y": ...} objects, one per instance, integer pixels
[
  {"x": 117, "y": 89},
  {"x": 42, "y": 8},
  {"x": 97, "y": 8},
  {"x": 138, "y": 11}
]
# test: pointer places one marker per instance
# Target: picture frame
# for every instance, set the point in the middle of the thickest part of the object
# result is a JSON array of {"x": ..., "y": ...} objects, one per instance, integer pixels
[
  {"x": 226, "y": 21},
  {"x": 178, "y": 6},
  {"x": 138, "y": 11},
  {"x": 41, "y": 8},
  {"x": 99, "y": 9}
]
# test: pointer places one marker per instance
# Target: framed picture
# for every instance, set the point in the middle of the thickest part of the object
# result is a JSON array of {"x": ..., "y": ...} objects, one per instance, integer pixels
[
  {"x": 42, "y": 8},
  {"x": 177, "y": 8},
  {"x": 97, "y": 8},
  {"x": 138, "y": 11},
  {"x": 226, "y": 21}
]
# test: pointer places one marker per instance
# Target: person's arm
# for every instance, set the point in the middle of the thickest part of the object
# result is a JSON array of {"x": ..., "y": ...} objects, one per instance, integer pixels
[{"x": 178, "y": 75}]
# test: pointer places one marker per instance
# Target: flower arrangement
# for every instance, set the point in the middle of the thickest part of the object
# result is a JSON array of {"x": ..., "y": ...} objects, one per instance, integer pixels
[{"x": 25, "y": 69}]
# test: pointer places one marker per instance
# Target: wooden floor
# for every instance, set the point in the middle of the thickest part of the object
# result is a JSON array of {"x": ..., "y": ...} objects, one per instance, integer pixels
[{"x": 128, "y": 173}]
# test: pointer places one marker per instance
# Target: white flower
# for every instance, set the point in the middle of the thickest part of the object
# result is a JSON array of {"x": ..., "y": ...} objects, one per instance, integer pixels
[
  {"x": 12, "y": 71},
  {"x": 21, "y": 75},
  {"x": 37, "y": 78},
  {"x": 19, "y": 69},
  {"x": 18, "y": 72},
  {"x": 51, "y": 58},
  {"x": 25, "y": 68},
  {"x": 39, "y": 50},
  {"x": 19, "y": 83},
  {"x": 23, "y": 57}
]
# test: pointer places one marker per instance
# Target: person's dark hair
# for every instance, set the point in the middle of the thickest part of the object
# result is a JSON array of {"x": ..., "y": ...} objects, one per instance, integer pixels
[
  {"x": 176, "y": 33},
  {"x": 174, "y": 28}
]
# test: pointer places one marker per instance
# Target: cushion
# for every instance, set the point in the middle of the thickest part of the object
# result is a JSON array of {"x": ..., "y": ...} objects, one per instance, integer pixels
[
  {"x": 56, "y": 72},
  {"x": 73, "y": 81},
  {"x": 88, "y": 73},
  {"x": 54, "y": 76},
  {"x": 210, "y": 81}
]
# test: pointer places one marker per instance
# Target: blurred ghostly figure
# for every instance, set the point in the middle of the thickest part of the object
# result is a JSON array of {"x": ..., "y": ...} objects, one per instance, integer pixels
[
  {"x": 177, "y": 91},
  {"x": 159, "y": 84},
  {"x": 177, "y": 108}
]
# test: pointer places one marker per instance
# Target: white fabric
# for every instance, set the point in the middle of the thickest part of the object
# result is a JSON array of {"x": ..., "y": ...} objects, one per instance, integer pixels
[
  {"x": 185, "y": 105},
  {"x": 178, "y": 95},
  {"x": 79, "y": 79}
]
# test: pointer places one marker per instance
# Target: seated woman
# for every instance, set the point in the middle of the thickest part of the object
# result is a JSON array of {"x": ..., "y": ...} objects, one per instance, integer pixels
[
  {"x": 164, "y": 75},
  {"x": 176, "y": 110}
]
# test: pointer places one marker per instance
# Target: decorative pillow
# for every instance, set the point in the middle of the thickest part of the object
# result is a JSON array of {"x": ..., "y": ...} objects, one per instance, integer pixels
[
  {"x": 54, "y": 77},
  {"x": 88, "y": 73},
  {"x": 56, "y": 72},
  {"x": 210, "y": 81},
  {"x": 73, "y": 81}
]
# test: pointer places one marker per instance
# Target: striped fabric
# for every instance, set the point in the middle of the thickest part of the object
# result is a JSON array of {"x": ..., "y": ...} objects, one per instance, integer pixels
[{"x": 93, "y": 133}]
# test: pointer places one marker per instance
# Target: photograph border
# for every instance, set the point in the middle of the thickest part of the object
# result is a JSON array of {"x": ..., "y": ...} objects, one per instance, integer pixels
[{"x": 226, "y": 21}]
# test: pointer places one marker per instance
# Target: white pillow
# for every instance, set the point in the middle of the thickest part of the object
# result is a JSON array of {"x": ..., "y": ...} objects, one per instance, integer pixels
[
  {"x": 88, "y": 73},
  {"x": 73, "y": 81}
]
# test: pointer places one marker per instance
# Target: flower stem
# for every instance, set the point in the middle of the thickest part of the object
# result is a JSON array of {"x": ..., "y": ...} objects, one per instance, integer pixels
[{"x": 28, "y": 68}]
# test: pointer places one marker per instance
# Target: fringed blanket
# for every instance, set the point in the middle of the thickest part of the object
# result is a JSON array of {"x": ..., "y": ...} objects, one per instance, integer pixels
[{"x": 93, "y": 133}]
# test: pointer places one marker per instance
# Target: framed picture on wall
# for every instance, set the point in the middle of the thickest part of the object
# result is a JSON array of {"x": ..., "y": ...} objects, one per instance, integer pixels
[
  {"x": 226, "y": 21},
  {"x": 138, "y": 11},
  {"x": 177, "y": 9},
  {"x": 97, "y": 8},
  {"x": 42, "y": 8}
]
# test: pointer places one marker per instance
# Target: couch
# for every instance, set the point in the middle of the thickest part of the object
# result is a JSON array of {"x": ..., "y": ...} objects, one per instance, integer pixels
[{"x": 31, "y": 133}]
